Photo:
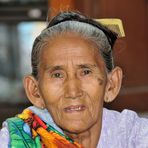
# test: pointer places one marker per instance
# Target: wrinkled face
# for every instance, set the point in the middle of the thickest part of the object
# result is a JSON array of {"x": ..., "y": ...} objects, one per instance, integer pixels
[{"x": 72, "y": 81}]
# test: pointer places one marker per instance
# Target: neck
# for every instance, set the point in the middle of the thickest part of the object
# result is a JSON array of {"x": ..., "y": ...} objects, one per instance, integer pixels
[{"x": 89, "y": 138}]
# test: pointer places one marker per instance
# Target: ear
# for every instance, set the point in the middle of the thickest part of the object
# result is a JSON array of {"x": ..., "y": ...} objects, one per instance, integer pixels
[
  {"x": 113, "y": 84},
  {"x": 32, "y": 91}
]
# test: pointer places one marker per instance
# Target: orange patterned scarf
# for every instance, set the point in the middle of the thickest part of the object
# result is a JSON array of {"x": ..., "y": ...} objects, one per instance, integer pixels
[{"x": 49, "y": 136}]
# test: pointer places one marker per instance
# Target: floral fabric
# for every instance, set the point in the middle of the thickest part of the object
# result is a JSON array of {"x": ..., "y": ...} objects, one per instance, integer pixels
[{"x": 29, "y": 131}]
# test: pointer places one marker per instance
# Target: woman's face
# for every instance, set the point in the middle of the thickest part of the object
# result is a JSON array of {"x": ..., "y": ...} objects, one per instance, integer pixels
[{"x": 72, "y": 82}]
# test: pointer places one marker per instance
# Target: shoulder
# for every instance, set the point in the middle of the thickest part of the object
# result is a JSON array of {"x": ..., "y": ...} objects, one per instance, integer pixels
[
  {"x": 15, "y": 132},
  {"x": 126, "y": 127},
  {"x": 129, "y": 119},
  {"x": 11, "y": 127},
  {"x": 4, "y": 136},
  {"x": 126, "y": 117}
]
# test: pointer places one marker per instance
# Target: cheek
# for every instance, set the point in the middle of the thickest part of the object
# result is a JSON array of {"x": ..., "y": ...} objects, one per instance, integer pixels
[
  {"x": 94, "y": 87},
  {"x": 95, "y": 90},
  {"x": 50, "y": 91}
]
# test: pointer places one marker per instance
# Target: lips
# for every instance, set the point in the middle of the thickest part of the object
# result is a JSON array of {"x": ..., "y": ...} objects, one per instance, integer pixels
[{"x": 74, "y": 108}]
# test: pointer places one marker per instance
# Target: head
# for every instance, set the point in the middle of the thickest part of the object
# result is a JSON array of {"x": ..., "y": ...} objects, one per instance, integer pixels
[{"x": 73, "y": 71}]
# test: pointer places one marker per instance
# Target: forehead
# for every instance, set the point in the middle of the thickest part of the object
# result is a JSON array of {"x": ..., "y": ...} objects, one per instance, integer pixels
[{"x": 70, "y": 48}]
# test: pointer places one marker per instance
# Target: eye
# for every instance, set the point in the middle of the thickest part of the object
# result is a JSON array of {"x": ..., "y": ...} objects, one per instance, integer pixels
[
  {"x": 57, "y": 75},
  {"x": 86, "y": 72}
]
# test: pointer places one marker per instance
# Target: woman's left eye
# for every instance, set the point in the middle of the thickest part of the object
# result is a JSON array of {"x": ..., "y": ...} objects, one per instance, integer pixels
[{"x": 86, "y": 72}]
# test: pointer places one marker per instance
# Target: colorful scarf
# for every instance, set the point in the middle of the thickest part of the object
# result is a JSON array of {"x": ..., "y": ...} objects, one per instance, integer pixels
[{"x": 27, "y": 130}]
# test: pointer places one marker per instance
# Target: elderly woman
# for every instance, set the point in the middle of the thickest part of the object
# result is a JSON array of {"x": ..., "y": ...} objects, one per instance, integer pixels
[{"x": 72, "y": 75}]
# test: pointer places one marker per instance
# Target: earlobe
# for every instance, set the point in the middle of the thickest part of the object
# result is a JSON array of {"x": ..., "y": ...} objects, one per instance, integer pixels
[
  {"x": 113, "y": 84},
  {"x": 32, "y": 91}
]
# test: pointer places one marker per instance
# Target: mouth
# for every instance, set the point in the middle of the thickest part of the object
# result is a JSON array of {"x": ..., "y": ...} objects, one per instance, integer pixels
[{"x": 74, "y": 108}]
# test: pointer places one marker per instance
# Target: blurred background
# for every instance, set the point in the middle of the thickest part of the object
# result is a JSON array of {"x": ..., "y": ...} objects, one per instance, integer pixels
[{"x": 22, "y": 20}]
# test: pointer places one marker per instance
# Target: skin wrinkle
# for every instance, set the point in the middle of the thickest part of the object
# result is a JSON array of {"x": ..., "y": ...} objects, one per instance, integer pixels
[
  {"x": 82, "y": 137},
  {"x": 75, "y": 34},
  {"x": 73, "y": 81},
  {"x": 93, "y": 68},
  {"x": 94, "y": 47}
]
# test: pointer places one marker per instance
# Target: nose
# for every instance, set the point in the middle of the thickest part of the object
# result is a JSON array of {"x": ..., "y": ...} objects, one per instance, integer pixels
[{"x": 73, "y": 89}]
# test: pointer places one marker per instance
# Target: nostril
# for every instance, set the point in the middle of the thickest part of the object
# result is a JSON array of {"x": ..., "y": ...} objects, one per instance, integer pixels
[{"x": 73, "y": 94}]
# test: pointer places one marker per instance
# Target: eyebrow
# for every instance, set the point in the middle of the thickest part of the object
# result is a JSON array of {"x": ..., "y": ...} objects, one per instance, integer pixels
[
  {"x": 92, "y": 66},
  {"x": 53, "y": 68},
  {"x": 61, "y": 67}
]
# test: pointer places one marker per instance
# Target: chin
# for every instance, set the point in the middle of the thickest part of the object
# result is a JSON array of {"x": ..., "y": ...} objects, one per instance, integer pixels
[
  {"x": 76, "y": 128},
  {"x": 75, "y": 131}
]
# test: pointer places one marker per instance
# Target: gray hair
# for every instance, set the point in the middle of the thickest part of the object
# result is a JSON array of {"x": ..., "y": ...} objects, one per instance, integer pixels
[{"x": 85, "y": 30}]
